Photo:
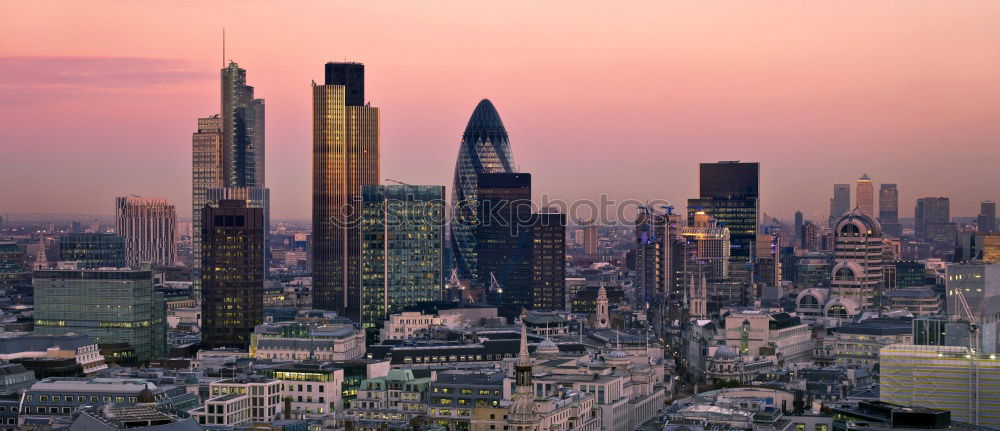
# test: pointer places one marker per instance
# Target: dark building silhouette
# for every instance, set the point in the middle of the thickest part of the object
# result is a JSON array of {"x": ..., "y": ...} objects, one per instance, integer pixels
[
  {"x": 352, "y": 77},
  {"x": 987, "y": 219},
  {"x": 232, "y": 275},
  {"x": 651, "y": 255},
  {"x": 503, "y": 240},
  {"x": 840, "y": 204},
  {"x": 548, "y": 261},
  {"x": 93, "y": 250},
  {"x": 798, "y": 227},
  {"x": 730, "y": 193}
]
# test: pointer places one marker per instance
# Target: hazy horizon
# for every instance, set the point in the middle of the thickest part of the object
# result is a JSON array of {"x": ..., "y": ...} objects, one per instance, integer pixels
[{"x": 100, "y": 99}]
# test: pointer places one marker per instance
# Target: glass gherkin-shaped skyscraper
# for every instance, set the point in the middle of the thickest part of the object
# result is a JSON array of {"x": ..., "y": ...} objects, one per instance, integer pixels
[{"x": 485, "y": 150}]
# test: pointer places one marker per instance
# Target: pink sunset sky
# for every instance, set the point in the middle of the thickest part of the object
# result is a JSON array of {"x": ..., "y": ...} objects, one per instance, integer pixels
[{"x": 99, "y": 98}]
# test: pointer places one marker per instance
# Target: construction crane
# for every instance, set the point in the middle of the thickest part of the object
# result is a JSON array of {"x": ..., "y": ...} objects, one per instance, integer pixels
[
  {"x": 972, "y": 316},
  {"x": 397, "y": 182}
]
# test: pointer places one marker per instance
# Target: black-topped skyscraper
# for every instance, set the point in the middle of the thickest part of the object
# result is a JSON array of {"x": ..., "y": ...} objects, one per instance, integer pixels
[
  {"x": 504, "y": 240},
  {"x": 485, "y": 149},
  {"x": 345, "y": 158},
  {"x": 730, "y": 193},
  {"x": 352, "y": 77}
]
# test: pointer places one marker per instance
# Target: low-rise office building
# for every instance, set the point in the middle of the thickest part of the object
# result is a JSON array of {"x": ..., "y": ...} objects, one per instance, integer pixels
[
  {"x": 81, "y": 348},
  {"x": 62, "y": 396},
  {"x": 302, "y": 340}
]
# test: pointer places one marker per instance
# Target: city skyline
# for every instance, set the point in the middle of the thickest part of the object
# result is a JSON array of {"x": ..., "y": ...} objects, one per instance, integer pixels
[{"x": 734, "y": 92}]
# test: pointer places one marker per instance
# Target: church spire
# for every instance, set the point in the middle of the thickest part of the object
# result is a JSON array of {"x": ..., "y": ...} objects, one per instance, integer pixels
[{"x": 523, "y": 414}]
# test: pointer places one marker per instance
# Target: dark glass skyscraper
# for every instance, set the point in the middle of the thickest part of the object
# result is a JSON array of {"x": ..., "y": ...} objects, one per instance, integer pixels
[
  {"x": 485, "y": 149},
  {"x": 232, "y": 276},
  {"x": 931, "y": 211},
  {"x": 111, "y": 305},
  {"x": 730, "y": 193},
  {"x": 352, "y": 77},
  {"x": 888, "y": 209},
  {"x": 242, "y": 131},
  {"x": 840, "y": 204},
  {"x": 651, "y": 254},
  {"x": 345, "y": 158},
  {"x": 987, "y": 219},
  {"x": 548, "y": 261},
  {"x": 503, "y": 239}
]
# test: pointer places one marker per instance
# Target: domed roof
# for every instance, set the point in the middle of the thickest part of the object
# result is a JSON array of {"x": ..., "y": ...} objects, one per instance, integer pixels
[
  {"x": 850, "y": 306},
  {"x": 857, "y": 223},
  {"x": 547, "y": 346},
  {"x": 485, "y": 121},
  {"x": 815, "y": 292},
  {"x": 146, "y": 396},
  {"x": 725, "y": 353}
]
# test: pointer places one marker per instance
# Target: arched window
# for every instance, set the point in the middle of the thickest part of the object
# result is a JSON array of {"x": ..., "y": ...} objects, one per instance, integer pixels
[
  {"x": 837, "y": 310},
  {"x": 850, "y": 229},
  {"x": 809, "y": 301},
  {"x": 845, "y": 274}
]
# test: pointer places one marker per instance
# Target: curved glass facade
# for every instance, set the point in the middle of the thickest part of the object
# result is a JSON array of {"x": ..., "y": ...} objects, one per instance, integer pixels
[{"x": 485, "y": 149}]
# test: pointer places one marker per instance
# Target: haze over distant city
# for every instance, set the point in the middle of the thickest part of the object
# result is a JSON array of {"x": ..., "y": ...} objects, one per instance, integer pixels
[{"x": 598, "y": 98}]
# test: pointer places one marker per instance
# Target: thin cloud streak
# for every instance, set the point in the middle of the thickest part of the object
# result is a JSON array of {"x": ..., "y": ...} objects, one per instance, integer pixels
[{"x": 35, "y": 80}]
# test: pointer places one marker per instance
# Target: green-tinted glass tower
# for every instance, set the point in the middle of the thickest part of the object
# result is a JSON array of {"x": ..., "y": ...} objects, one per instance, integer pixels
[
  {"x": 111, "y": 305},
  {"x": 402, "y": 248}
]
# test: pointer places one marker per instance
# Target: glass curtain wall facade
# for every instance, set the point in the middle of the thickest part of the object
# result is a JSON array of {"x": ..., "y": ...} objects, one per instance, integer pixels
[
  {"x": 730, "y": 193},
  {"x": 242, "y": 131},
  {"x": 503, "y": 240},
  {"x": 485, "y": 149},
  {"x": 402, "y": 249},
  {"x": 113, "y": 306},
  {"x": 93, "y": 250}
]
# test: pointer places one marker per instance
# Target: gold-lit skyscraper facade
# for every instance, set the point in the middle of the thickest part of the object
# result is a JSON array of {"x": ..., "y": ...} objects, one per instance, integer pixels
[
  {"x": 345, "y": 158},
  {"x": 865, "y": 194}
]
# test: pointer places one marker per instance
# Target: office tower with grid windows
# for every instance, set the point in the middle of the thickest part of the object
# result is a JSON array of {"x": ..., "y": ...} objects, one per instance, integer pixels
[
  {"x": 402, "y": 249},
  {"x": 232, "y": 276}
]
